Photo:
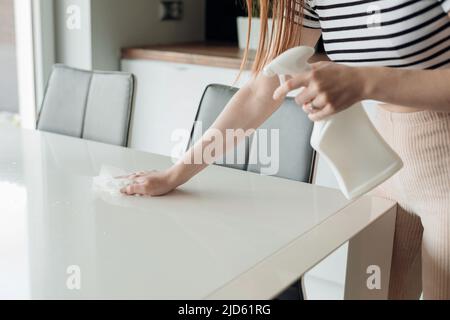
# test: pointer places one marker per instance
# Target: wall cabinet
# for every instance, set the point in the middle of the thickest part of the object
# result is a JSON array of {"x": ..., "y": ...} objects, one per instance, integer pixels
[{"x": 167, "y": 99}]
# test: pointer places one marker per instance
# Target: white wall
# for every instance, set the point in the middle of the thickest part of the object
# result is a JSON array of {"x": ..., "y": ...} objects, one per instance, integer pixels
[
  {"x": 25, "y": 49},
  {"x": 44, "y": 44},
  {"x": 123, "y": 23},
  {"x": 73, "y": 46},
  {"x": 109, "y": 25}
]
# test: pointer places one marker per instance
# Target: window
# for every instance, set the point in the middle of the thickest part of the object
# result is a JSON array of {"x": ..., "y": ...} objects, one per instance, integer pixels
[{"x": 8, "y": 76}]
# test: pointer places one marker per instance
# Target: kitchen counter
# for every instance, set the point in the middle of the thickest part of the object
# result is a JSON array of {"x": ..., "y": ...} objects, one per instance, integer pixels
[
  {"x": 202, "y": 53},
  {"x": 220, "y": 55}
]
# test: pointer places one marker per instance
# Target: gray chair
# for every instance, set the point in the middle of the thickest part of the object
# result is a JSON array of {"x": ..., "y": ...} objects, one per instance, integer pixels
[
  {"x": 296, "y": 156},
  {"x": 213, "y": 101},
  {"x": 295, "y": 129},
  {"x": 91, "y": 105}
]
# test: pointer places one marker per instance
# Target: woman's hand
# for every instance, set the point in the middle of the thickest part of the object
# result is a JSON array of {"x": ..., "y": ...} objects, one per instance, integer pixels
[
  {"x": 328, "y": 89},
  {"x": 150, "y": 184}
]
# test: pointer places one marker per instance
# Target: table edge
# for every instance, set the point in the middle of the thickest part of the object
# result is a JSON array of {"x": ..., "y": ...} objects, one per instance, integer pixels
[{"x": 248, "y": 285}]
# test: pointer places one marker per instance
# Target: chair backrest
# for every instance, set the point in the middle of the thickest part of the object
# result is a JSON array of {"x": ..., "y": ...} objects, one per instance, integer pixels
[
  {"x": 285, "y": 140},
  {"x": 214, "y": 100},
  {"x": 290, "y": 127},
  {"x": 88, "y": 104}
]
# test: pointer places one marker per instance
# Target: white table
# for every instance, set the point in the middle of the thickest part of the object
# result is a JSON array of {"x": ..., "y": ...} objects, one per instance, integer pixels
[{"x": 225, "y": 235}]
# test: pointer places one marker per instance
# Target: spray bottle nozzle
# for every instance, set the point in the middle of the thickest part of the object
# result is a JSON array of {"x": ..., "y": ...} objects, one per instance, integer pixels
[
  {"x": 291, "y": 62},
  {"x": 268, "y": 72}
]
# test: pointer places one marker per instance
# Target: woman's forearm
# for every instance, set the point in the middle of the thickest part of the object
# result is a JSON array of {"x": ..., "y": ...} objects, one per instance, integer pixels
[
  {"x": 424, "y": 89},
  {"x": 247, "y": 111}
]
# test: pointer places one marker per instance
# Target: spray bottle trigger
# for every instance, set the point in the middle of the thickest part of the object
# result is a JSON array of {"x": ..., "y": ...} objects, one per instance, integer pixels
[{"x": 283, "y": 79}]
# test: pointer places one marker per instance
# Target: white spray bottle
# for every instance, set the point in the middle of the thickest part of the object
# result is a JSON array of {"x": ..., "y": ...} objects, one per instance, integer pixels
[{"x": 358, "y": 155}]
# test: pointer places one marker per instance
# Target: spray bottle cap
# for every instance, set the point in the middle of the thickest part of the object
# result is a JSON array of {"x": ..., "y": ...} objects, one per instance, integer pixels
[{"x": 292, "y": 61}]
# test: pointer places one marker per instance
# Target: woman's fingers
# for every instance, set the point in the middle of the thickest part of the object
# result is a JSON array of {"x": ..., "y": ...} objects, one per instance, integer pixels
[
  {"x": 134, "y": 189},
  {"x": 321, "y": 64},
  {"x": 310, "y": 109},
  {"x": 306, "y": 96},
  {"x": 321, "y": 114},
  {"x": 130, "y": 177},
  {"x": 141, "y": 183},
  {"x": 315, "y": 105},
  {"x": 134, "y": 176},
  {"x": 138, "y": 174},
  {"x": 297, "y": 82}
]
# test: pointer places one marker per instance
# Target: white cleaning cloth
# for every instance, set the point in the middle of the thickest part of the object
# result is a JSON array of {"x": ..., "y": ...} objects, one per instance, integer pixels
[{"x": 108, "y": 182}]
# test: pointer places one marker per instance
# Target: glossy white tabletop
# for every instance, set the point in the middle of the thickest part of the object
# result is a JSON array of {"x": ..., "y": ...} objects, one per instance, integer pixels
[{"x": 188, "y": 245}]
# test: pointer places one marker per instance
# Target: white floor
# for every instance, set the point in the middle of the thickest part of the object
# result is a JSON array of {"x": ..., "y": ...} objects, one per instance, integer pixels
[
  {"x": 327, "y": 280},
  {"x": 320, "y": 289}
]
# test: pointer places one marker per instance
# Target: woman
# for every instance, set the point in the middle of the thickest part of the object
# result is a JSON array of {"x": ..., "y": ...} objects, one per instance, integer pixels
[{"x": 397, "y": 52}]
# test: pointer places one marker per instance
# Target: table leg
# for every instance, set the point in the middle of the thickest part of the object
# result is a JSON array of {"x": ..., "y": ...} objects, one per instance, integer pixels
[{"x": 369, "y": 260}]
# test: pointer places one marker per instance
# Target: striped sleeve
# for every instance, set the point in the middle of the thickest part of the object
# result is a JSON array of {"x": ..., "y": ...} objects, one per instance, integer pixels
[
  {"x": 445, "y": 5},
  {"x": 310, "y": 18}
]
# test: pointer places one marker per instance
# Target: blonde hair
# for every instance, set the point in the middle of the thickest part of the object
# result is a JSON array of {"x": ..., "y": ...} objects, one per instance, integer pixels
[{"x": 285, "y": 34}]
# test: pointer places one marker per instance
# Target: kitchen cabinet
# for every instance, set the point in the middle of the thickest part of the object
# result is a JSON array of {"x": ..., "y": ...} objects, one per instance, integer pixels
[{"x": 167, "y": 99}]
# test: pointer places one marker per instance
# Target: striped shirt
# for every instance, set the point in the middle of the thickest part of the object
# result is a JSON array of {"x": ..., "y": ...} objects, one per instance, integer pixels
[{"x": 413, "y": 34}]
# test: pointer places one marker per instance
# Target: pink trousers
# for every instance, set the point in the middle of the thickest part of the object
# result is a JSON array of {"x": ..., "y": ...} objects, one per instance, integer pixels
[{"x": 421, "y": 259}]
